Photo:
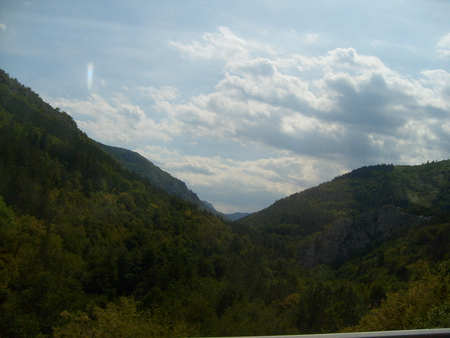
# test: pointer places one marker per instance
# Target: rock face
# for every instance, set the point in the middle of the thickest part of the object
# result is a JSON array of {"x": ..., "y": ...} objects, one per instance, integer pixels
[{"x": 345, "y": 237}]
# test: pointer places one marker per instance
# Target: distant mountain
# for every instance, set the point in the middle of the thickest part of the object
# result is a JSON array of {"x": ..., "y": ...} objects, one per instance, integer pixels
[
  {"x": 237, "y": 215},
  {"x": 140, "y": 165}
]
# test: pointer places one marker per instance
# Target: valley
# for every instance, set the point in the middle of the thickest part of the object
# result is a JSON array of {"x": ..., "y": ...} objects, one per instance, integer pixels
[{"x": 97, "y": 240}]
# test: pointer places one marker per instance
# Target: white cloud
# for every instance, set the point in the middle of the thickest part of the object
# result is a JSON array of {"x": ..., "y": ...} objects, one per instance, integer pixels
[
  {"x": 2, "y": 27},
  {"x": 444, "y": 46},
  {"x": 166, "y": 93},
  {"x": 311, "y": 37},
  {"x": 115, "y": 120},
  {"x": 272, "y": 178},
  {"x": 223, "y": 45},
  {"x": 444, "y": 42},
  {"x": 351, "y": 108},
  {"x": 316, "y": 116},
  {"x": 438, "y": 82}
]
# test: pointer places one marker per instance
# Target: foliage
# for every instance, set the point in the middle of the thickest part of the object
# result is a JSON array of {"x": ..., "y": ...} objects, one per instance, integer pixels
[
  {"x": 420, "y": 190},
  {"x": 116, "y": 320},
  {"x": 424, "y": 304},
  {"x": 88, "y": 248}
]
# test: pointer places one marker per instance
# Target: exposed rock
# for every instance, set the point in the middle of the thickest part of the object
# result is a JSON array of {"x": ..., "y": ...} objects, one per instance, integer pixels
[{"x": 345, "y": 237}]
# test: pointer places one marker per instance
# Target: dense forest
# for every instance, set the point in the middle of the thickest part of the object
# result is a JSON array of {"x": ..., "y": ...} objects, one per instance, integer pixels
[{"x": 91, "y": 249}]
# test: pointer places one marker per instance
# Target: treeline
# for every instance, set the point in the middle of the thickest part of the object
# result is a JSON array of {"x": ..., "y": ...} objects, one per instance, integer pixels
[{"x": 88, "y": 248}]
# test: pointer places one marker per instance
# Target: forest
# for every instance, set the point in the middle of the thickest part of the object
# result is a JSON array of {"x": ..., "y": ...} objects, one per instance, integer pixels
[{"x": 91, "y": 249}]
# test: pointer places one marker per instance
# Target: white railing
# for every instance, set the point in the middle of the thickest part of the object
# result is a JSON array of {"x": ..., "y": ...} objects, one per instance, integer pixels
[{"x": 433, "y": 333}]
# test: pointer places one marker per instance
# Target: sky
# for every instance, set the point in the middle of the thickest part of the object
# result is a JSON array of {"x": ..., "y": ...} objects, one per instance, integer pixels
[{"x": 245, "y": 101}]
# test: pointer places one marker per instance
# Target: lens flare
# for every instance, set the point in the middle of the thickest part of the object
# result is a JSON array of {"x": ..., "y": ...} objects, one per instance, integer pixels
[{"x": 90, "y": 75}]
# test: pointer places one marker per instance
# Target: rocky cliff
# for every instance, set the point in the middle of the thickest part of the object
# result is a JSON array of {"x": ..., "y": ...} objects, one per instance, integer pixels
[{"x": 346, "y": 237}]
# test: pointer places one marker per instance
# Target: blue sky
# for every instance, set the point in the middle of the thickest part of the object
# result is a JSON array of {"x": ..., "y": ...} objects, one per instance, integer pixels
[{"x": 245, "y": 101}]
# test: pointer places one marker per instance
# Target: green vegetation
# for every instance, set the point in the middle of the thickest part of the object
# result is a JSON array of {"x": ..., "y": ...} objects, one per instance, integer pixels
[
  {"x": 88, "y": 248},
  {"x": 420, "y": 190},
  {"x": 144, "y": 168}
]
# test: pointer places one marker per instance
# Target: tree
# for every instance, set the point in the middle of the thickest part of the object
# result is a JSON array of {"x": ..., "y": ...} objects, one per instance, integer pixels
[
  {"x": 425, "y": 304},
  {"x": 117, "y": 320}
]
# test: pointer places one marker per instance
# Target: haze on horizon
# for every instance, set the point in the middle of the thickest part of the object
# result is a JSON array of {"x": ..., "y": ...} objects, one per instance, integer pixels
[{"x": 245, "y": 101}]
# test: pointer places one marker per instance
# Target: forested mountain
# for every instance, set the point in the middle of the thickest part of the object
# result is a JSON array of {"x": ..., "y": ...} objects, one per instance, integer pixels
[
  {"x": 88, "y": 248},
  {"x": 419, "y": 190},
  {"x": 140, "y": 165}
]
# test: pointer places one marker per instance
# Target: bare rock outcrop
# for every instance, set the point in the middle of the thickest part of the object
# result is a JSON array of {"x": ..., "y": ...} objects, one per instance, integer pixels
[{"x": 345, "y": 237}]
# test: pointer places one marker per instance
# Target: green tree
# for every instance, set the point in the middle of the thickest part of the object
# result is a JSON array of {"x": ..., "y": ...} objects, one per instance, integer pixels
[
  {"x": 121, "y": 320},
  {"x": 425, "y": 304}
]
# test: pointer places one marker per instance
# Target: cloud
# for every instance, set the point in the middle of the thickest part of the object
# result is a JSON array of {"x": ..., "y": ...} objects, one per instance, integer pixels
[
  {"x": 222, "y": 45},
  {"x": 233, "y": 185},
  {"x": 354, "y": 118},
  {"x": 302, "y": 120},
  {"x": 113, "y": 120},
  {"x": 444, "y": 47},
  {"x": 338, "y": 105},
  {"x": 166, "y": 93},
  {"x": 311, "y": 37},
  {"x": 2, "y": 27}
]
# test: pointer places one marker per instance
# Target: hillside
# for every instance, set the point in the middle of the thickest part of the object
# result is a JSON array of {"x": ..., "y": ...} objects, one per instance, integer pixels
[
  {"x": 359, "y": 211},
  {"x": 237, "y": 215},
  {"x": 76, "y": 227},
  {"x": 89, "y": 248},
  {"x": 158, "y": 177},
  {"x": 418, "y": 190}
]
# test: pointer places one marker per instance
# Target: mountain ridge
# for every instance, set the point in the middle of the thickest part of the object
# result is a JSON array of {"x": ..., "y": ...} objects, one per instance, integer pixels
[
  {"x": 237, "y": 215},
  {"x": 137, "y": 163},
  {"x": 419, "y": 190}
]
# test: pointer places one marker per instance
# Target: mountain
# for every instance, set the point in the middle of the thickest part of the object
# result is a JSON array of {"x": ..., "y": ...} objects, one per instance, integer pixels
[
  {"x": 418, "y": 190},
  {"x": 358, "y": 212},
  {"x": 77, "y": 228},
  {"x": 90, "y": 248},
  {"x": 344, "y": 238},
  {"x": 237, "y": 215},
  {"x": 209, "y": 204},
  {"x": 140, "y": 165}
]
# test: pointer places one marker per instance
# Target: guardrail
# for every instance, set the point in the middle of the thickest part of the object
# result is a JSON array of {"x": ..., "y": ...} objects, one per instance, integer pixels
[{"x": 433, "y": 333}]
